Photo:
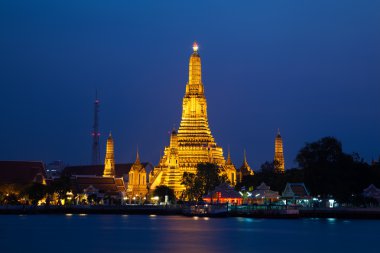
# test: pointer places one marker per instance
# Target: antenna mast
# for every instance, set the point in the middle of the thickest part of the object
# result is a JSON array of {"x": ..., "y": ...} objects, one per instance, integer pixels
[{"x": 96, "y": 133}]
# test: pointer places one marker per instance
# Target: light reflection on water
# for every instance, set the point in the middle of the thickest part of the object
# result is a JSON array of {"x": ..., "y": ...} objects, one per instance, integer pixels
[{"x": 138, "y": 233}]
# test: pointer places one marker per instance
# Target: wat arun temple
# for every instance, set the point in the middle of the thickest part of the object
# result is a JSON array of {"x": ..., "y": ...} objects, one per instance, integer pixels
[{"x": 193, "y": 143}]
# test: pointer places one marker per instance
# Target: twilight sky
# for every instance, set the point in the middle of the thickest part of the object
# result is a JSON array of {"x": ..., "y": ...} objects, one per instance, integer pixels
[{"x": 310, "y": 68}]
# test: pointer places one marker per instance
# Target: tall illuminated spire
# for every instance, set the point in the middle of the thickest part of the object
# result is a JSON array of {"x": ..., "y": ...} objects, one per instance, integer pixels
[
  {"x": 195, "y": 68},
  {"x": 109, "y": 163},
  {"x": 193, "y": 143},
  {"x": 279, "y": 153}
]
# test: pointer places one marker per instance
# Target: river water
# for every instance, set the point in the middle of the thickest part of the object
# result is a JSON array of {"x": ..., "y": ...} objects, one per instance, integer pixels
[{"x": 144, "y": 233}]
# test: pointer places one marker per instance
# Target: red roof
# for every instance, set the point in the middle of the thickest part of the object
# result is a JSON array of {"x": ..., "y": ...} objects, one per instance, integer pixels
[{"x": 21, "y": 172}]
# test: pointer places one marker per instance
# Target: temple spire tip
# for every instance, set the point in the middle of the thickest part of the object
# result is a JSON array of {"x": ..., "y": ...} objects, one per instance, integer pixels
[{"x": 195, "y": 46}]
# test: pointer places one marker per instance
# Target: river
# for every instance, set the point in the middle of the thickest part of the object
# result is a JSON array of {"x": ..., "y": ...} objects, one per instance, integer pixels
[{"x": 144, "y": 233}]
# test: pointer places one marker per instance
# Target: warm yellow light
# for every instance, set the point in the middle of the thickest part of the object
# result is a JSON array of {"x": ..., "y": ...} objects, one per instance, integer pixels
[{"x": 195, "y": 47}]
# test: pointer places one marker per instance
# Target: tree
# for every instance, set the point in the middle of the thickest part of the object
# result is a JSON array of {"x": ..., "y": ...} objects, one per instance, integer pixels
[
  {"x": 162, "y": 191},
  {"x": 192, "y": 186},
  {"x": 35, "y": 192},
  {"x": 61, "y": 186},
  {"x": 330, "y": 172},
  {"x": 208, "y": 176}
]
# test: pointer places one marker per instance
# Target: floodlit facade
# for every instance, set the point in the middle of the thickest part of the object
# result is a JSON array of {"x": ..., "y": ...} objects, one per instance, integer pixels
[
  {"x": 193, "y": 143},
  {"x": 137, "y": 182}
]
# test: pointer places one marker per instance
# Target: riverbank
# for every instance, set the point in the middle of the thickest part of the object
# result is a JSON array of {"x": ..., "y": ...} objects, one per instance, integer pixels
[{"x": 338, "y": 213}]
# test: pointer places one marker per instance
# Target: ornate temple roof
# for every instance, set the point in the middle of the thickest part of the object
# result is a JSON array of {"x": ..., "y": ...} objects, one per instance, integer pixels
[{"x": 245, "y": 169}]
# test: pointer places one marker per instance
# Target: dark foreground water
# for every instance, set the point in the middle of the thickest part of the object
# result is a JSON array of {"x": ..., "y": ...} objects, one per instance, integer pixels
[{"x": 135, "y": 233}]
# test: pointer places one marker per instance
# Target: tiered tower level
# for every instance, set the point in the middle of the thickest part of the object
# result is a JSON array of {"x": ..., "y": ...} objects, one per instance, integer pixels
[{"x": 194, "y": 142}]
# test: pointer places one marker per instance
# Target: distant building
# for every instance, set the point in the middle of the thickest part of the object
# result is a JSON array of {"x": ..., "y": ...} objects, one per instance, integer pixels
[
  {"x": 264, "y": 195},
  {"x": 222, "y": 194},
  {"x": 372, "y": 192},
  {"x": 137, "y": 180},
  {"x": 21, "y": 173},
  {"x": 109, "y": 190},
  {"x": 296, "y": 193},
  {"x": 279, "y": 154},
  {"x": 230, "y": 170},
  {"x": 54, "y": 169},
  {"x": 109, "y": 182},
  {"x": 245, "y": 169},
  {"x": 109, "y": 161}
]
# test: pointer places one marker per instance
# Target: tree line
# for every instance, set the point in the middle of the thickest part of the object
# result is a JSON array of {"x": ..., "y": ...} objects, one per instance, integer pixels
[{"x": 326, "y": 171}]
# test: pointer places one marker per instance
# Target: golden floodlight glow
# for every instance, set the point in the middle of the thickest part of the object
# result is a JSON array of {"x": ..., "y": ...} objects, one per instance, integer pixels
[
  {"x": 192, "y": 143},
  {"x": 195, "y": 46}
]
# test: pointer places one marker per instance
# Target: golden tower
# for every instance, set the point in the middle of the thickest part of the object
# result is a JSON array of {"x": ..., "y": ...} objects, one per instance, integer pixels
[
  {"x": 245, "y": 169},
  {"x": 109, "y": 163},
  {"x": 194, "y": 142},
  {"x": 230, "y": 169},
  {"x": 137, "y": 185},
  {"x": 279, "y": 153}
]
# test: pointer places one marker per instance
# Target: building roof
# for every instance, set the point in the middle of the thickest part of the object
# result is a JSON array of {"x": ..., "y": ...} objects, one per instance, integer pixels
[
  {"x": 21, "y": 172},
  {"x": 371, "y": 192},
  {"x": 103, "y": 184},
  {"x": 121, "y": 169},
  {"x": 297, "y": 190},
  {"x": 225, "y": 190},
  {"x": 264, "y": 191}
]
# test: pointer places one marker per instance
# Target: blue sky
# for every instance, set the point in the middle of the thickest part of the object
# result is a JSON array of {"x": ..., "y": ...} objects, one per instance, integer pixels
[{"x": 310, "y": 68}]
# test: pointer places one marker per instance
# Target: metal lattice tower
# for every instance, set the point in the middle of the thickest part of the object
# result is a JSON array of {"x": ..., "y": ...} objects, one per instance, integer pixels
[{"x": 96, "y": 133}]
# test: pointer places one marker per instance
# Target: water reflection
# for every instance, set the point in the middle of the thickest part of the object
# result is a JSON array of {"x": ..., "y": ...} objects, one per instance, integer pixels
[{"x": 139, "y": 233}]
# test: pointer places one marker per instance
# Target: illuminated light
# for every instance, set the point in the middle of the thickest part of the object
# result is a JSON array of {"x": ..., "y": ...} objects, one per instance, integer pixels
[
  {"x": 82, "y": 214},
  {"x": 195, "y": 46},
  {"x": 195, "y": 217},
  {"x": 152, "y": 215},
  {"x": 331, "y": 203},
  {"x": 69, "y": 214},
  {"x": 206, "y": 218}
]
